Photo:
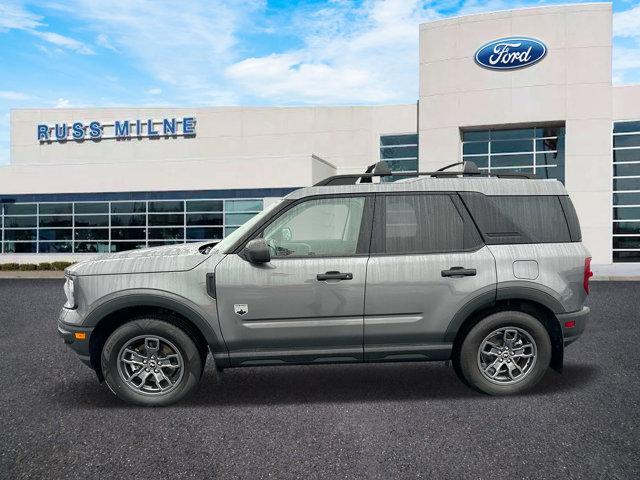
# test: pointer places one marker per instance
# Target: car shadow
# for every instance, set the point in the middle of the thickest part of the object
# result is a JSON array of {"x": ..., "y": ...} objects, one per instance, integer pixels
[{"x": 328, "y": 384}]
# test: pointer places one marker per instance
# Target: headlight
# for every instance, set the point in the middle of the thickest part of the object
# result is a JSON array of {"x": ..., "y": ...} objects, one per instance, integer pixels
[{"x": 69, "y": 291}]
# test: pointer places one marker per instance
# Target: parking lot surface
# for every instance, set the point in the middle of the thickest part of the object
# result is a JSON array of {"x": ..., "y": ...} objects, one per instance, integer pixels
[{"x": 411, "y": 420}]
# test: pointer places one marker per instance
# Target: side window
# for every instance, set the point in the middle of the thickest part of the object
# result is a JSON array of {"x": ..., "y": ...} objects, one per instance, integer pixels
[
  {"x": 418, "y": 223},
  {"x": 318, "y": 227},
  {"x": 518, "y": 218}
]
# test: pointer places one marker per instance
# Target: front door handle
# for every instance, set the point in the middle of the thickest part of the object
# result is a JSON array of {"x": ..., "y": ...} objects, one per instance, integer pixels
[
  {"x": 459, "y": 272},
  {"x": 334, "y": 276}
]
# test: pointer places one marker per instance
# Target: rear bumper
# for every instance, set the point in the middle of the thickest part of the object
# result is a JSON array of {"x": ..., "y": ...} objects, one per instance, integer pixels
[
  {"x": 573, "y": 324},
  {"x": 80, "y": 347}
]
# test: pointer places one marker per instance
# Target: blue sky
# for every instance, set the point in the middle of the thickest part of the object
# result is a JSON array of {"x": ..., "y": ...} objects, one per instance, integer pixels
[{"x": 78, "y": 53}]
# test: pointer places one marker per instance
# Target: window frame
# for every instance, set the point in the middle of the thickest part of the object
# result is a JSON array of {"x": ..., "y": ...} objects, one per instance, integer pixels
[
  {"x": 379, "y": 219},
  {"x": 364, "y": 237}
]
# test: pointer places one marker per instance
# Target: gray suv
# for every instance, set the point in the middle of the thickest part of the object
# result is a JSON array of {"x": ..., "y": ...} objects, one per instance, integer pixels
[{"x": 485, "y": 270}]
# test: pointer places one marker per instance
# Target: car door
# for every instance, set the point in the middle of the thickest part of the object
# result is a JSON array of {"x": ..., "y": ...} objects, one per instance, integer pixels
[
  {"x": 427, "y": 262},
  {"x": 307, "y": 303}
]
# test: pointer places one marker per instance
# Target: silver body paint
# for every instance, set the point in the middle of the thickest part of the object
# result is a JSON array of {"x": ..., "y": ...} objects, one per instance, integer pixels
[{"x": 396, "y": 307}]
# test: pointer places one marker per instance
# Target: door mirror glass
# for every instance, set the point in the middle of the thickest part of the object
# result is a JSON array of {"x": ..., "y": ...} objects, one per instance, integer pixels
[{"x": 256, "y": 251}]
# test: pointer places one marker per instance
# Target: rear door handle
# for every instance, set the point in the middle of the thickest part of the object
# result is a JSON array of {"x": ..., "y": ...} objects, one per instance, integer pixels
[
  {"x": 333, "y": 275},
  {"x": 459, "y": 272}
]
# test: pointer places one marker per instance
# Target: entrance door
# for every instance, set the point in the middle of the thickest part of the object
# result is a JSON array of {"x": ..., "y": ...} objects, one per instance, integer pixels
[{"x": 307, "y": 304}]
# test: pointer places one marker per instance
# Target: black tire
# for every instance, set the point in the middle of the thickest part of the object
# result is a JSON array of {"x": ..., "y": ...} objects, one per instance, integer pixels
[
  {"x": 467, "y": 364},
  {"x": 172, "y": 337}
]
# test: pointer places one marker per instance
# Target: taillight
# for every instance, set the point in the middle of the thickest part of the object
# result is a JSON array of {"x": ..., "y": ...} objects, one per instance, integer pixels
[{"x": 587, "y": 274}]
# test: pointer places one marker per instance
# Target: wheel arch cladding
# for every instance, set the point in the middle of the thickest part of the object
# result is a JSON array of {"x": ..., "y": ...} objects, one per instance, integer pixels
[
  {"x": 461, "y": 325},
  {"x": 116, "y": 312}
]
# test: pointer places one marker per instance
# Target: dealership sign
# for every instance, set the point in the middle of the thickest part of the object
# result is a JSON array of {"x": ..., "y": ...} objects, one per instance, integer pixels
[
  {"x": 510, "y": 53},
  {"x": 119, "y": 130}
]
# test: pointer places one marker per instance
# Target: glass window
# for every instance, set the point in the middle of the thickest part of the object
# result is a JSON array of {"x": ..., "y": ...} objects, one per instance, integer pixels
[
  {"x": 55, "y": 221},
  {"x": 628, "y": 256},
  {"x": 626, "y": 213},
  {"x": 626, "y": 183},
  {"x": 400, "y": 146},
  {"x": 91, "y": 247},
  {"x": 627, "y": 169},
  {"x": 55, "y": 233},
  {"x": 55, "y": 247},
  {"x": 399, "y": 152},
  {"x": 128, "y": 233},
  {"x": 19, "y": 222},
  {"x": 626, "y": 141},
  {"x": 206, "y": 205},
  {"x": 166, "y": 219},
  {"x": 91, "y": 207},
  {"x": 91, "y": 220},
  {"x": 30, "y": 234},
  {"x": 319, "y": 227},
  {"x": 56, "y": 208},
  {"x": 538, "y": 150},
  {"x": 631, "y": 198},
  {"x": 238, "y": 218},
  {"x": 411, "y": 224},
  {"x": 204, "y": 219},
  {"x": 243, "y": 205},
  {"x": 92, "y": 234},
  {"x": 124, "y": 246},
  {"x": 391, "y": 140},
  {"x": 204, "y": 233},
  {"x": 20, "y": 247},
  {"x": 172, "y": 206},
  {"x": 626, "y": 228},
  {"x": 518, "y": 219},
  {"x": 128, "y": 220},
  {"x": 128, "y": 207},
  {"x": 475, "y": 135},
  {"x": 20, "y": 209},
  {"x": 166, "y": 233}
]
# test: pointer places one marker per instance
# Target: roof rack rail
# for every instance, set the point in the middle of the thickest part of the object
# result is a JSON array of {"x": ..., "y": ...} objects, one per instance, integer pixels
[{"x": 381, "y": 169}]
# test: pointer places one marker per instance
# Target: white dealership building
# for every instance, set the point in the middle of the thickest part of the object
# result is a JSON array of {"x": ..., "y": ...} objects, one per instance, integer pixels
[{"x": 526, "y": 89}]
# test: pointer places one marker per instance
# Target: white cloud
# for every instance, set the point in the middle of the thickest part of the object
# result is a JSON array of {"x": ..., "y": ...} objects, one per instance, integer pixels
[
  {"x": 154, "y": 91},
  {"x": 64, "y": 42},
  {"x": 186, "y": 45},
  {"x": 627, "y": 23},
  {"x": 351, "y": 54},
  {"x": 62, "y": 103},
  {"x": 11, "y": 95},
  {"x": 15, "y": 17},
  {"x": 103, "y": 41}
]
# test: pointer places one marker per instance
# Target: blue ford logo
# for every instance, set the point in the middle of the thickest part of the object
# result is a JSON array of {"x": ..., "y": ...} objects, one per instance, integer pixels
[{"x": 510, "y": 53}]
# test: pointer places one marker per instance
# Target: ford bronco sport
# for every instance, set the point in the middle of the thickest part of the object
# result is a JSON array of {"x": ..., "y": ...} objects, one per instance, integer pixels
[{"x": 485, "y": 270}]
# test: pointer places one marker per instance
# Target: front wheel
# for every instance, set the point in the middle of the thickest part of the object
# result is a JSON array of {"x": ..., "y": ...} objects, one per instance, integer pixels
[
  {"x": 505, "y": 353},
  {"x": 151, "y": 362}
]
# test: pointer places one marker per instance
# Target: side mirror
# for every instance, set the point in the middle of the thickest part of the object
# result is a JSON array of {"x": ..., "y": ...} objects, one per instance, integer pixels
[{"x": 257, "y": 251}]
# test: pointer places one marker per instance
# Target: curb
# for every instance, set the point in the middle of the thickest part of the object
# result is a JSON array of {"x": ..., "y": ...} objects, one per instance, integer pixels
[{"x": 614, "y": 278}]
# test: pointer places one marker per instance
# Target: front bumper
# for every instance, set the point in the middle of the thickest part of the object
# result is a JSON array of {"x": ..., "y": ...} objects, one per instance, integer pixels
[
  {"x": 573, "y": 324},
  {"x": 68, "y": 333}
]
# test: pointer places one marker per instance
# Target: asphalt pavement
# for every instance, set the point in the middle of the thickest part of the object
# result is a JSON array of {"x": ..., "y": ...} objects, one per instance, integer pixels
[{"x": 410, "y": 420}]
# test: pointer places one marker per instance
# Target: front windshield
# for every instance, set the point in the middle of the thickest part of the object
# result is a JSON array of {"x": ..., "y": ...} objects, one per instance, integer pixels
[{"x": 225, "y": 245}]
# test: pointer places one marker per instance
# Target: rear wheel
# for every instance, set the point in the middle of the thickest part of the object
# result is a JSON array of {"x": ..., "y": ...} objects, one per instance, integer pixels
[
  {"x": 505, "y": 353},
  {"x": 151, "y": 362}
]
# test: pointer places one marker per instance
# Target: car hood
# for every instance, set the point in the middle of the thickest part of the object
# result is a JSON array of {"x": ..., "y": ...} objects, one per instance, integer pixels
[{"x": 172, "y": 258}]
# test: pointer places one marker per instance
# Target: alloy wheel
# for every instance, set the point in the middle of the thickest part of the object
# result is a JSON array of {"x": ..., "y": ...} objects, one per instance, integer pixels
[{"x": 507, "y": 355}]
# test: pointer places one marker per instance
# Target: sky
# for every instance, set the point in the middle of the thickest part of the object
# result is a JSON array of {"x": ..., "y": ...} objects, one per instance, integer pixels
[{"x": 81, "y": 53}]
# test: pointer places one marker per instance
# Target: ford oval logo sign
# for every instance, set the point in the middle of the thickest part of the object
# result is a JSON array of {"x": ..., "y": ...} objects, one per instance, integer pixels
[{"x": 510, "y": 53}]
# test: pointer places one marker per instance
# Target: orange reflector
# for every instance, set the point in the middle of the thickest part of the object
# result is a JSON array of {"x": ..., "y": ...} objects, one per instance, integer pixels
[
  {"x": 570, "y": 324},
  {"x": 80, "y": 336}
]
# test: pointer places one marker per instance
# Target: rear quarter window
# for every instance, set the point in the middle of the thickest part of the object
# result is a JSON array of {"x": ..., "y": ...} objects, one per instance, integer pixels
[{"x": 518, "y": 218}]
